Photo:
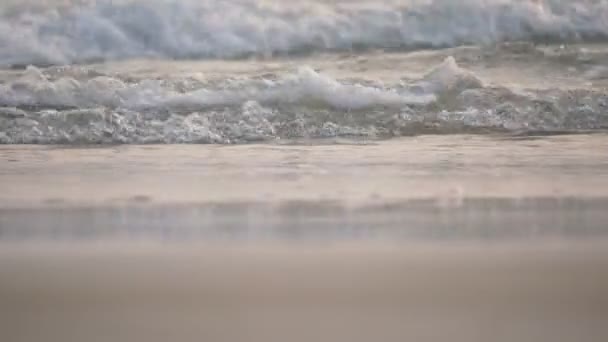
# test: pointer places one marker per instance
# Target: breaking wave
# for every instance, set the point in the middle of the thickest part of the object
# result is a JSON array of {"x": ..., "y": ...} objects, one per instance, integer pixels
[
  {"x": 39, "y": 107},
  {"x": 44, "y": 34}
]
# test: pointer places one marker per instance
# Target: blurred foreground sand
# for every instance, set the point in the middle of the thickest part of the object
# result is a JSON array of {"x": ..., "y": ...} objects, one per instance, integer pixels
[{"x": 553, "y": 291}]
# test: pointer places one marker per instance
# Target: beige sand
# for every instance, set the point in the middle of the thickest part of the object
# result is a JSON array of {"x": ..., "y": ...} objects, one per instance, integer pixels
[
  {"x": 553, "y": 287},
  {"x": 554, "y": 291}
]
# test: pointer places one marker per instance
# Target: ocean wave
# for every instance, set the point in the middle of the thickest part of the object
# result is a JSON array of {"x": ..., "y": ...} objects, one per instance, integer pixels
[
  {"x": 187, "y": 29},
  {"x": 41, "y": 108},
  {"x": 302, "y": 87}
]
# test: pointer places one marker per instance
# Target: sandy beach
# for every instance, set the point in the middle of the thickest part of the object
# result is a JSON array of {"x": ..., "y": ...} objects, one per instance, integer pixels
[
  {"x": 554, "y": 291},
  {"x": 396, "y": 240}
]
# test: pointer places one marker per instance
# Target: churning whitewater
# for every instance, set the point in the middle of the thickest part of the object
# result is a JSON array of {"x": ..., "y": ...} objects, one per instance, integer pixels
[
  {"x": 58, "y": 32},
  {"x": 85, "y": 72}
]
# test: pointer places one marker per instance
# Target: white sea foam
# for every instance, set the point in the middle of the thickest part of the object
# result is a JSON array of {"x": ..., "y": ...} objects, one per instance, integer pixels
[
  {"x": 448, "y": 77},
  {"x": 191, "y": 29},
  {"x": 304, "y": 87},
  {"x": 42, "y": 107}
]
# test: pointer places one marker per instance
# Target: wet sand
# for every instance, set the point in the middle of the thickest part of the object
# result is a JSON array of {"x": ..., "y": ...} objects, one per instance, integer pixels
[
  {"x": 445, "y": 168},
  {"x": 446, "y": 238}
]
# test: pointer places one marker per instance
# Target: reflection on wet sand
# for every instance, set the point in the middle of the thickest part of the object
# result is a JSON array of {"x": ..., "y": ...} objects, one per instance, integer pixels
[{"x": 297, "y": 220}]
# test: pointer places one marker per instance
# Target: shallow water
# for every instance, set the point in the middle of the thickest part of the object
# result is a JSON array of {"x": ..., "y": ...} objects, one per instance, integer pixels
[
  {"x": 515, "y": 88},
  {"x": 437, "y": 187}
]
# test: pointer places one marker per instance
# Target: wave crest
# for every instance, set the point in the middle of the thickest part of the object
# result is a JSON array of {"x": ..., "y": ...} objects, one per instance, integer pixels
[
  {"x": 38, "y": 108},
  {"x": 188, "y": 29}
]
